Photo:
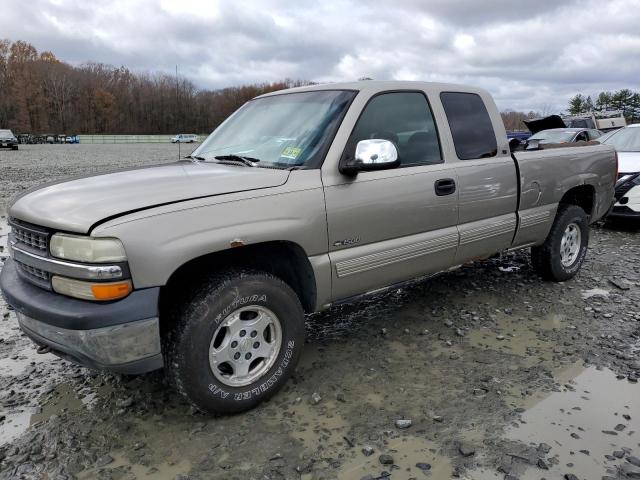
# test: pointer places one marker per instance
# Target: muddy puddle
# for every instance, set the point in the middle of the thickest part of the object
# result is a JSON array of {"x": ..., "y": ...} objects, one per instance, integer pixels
[
  {"x": 590, "y": 426},
  {"x": 519, "y": 336},
  {"x": 418, "y": 456},
  {"x": 53, "y": 399},
  {"x": 118, "y": 466}
]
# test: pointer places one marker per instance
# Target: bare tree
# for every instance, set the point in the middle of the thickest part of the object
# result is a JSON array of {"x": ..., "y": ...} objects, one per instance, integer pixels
[{"x": 41, "y": 94}]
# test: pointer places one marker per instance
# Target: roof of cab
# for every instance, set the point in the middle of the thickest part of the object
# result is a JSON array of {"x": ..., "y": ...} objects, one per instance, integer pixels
[{"x": 375, "y": 86}]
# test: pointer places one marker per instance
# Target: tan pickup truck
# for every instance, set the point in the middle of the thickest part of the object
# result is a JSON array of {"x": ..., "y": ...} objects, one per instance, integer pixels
[{"x": 301, "y": 199}]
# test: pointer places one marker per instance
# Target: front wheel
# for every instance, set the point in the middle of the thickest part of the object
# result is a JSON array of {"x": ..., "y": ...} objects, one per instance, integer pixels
[
  {"x": 560, "y": 257},
  {"x": 235, "y": 342}
]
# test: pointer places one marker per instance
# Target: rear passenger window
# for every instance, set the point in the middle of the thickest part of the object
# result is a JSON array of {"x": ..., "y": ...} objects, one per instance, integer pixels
[
  {"x": 405, "y": 119},
  {"x": 470, "y": 124}
]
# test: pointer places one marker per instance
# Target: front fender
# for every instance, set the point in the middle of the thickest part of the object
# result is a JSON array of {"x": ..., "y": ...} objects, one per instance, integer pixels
[{"x": 159, "y": 241}]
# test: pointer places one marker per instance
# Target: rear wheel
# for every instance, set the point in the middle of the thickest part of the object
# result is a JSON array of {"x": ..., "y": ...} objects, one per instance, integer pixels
[
  {"x": 235, "y": 342},
  {"x": 560, "y": 257}
]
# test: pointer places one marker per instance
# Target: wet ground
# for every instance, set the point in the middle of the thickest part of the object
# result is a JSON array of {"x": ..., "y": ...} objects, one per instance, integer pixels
[{"x": 485, "y": 372}]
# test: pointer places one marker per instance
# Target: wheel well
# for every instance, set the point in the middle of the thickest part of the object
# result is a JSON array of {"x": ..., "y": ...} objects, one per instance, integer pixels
[
  {"x": 286, "y": 260},
  {"x": 583, "y": 196}
]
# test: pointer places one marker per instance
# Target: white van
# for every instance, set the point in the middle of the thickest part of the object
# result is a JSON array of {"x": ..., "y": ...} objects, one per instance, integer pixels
[{"x": 184, "y": 138}]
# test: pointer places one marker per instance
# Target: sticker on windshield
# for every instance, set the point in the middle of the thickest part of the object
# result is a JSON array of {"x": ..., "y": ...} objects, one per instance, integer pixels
[{"x": 291, "y": 152}]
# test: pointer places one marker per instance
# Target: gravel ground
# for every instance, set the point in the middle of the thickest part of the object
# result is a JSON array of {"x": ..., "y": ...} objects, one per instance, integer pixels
[
  {"x": 34, "y": 164},
  {"x": 485, "y": 372}
]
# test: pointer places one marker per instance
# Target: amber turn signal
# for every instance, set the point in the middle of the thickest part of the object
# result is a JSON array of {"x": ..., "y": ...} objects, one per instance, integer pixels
[{"x": 111, "y": 291}]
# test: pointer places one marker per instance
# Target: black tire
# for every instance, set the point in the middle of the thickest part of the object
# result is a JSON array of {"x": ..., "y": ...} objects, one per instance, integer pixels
[
  {"x": 547, "y": 259},
  {"x": 14, "y": 147},
  {"x": 187, "y": 345}
]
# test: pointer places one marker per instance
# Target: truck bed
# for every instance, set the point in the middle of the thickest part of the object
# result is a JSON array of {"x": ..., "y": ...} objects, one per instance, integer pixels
[{"x": 547, "y": 173}]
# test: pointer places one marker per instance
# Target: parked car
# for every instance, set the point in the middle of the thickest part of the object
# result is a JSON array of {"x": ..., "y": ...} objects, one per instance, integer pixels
[
  {"x": 72, "y": 139},
  {"x": 606, "y": 135},
  {"x": 24, "y": 138},
  {"x": 304, "y": 198},
  {"x": 563, "y": 135},
  {"x": 519, "y": 135},
  {"x": 184, "y": 138},
  {"x": 626, "y": 141},
  {"x": 8, "y": 140}
]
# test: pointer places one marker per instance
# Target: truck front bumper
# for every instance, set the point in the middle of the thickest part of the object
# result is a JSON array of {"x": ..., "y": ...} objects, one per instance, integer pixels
[{"x": 121, "y": 336}]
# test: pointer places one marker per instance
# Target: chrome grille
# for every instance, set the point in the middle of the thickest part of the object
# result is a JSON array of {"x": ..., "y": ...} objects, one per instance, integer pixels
[
  {"x": 35, "y": 275},
  {"x": 30, "y": 237}
]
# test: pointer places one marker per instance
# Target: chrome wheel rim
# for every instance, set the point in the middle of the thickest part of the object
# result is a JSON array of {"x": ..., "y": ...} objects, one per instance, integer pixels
[
  {"x": 570, "y": 244},
  {"x": 245, "y": 345}
]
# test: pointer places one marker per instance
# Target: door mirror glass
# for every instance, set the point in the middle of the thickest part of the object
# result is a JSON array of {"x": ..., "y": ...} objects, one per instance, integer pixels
[{"x": 373, "y": 154}]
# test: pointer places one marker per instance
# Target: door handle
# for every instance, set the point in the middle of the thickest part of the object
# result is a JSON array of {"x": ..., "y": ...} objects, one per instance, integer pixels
[{"x": 445, "y": 186}]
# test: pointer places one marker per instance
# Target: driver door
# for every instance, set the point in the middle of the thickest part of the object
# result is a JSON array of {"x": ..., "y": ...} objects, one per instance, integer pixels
[{"x": 392, "y": 225}]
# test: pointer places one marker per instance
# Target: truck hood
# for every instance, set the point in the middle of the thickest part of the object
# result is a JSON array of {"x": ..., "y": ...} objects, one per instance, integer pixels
[
  {"x": 628, "y": 162},
  {"x": 75, "y": 205}
]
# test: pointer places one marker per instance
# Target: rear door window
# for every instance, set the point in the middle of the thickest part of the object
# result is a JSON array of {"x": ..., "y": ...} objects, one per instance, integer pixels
[{"x": 470, "y": 124}]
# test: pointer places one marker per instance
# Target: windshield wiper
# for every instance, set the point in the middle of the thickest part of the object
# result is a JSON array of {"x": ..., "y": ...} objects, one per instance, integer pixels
[
  {"x": 249, "y": 161},
  {"x": 195, "y": 157}
]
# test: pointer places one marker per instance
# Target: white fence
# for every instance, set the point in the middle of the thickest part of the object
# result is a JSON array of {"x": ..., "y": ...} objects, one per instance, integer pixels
[{"x": 130, "y": 138}]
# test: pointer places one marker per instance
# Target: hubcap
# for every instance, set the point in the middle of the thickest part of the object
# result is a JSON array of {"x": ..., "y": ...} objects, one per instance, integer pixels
[
  {"x": 570, "y": 244},
  {"x": 245, "y": 345}
]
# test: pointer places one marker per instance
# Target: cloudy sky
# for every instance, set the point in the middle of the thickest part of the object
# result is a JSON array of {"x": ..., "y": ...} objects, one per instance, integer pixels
[{"x": 529, "y": 54}]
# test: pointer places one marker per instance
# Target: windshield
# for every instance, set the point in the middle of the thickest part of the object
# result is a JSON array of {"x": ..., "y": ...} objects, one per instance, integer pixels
[
  {"x": 281, "y": 130},
  {"x": 625, "y": 140},
  {"x": 553, "y": 136}
]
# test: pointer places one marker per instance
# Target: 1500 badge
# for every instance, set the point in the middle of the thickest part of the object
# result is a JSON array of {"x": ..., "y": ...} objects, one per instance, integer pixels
[{"x": 346, "y": 242}]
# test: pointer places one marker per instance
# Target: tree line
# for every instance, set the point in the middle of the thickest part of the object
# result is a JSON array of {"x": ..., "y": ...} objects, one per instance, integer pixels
[
  {"x": 624, "y": 100},
  {"x": 515, "y": 120},
  {"x": 41, "y": 94}
]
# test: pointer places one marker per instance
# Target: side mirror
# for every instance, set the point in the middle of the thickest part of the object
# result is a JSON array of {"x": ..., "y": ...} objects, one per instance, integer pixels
[
  {"x": 533, "y": 145},
  {"x": 374, "y": 154}
]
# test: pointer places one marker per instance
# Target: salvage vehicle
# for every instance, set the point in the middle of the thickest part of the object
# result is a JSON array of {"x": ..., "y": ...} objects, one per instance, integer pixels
[
  {"x": 302, "y": 199},
  {"x": 604, "y": 121},
  {"x": 8, "y": 140},
  {"x": 563, "y": 135},
  {"x": 626, "y": 141}
]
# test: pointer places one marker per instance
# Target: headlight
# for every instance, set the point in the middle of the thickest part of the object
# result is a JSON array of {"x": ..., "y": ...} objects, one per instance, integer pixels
[{"x": 87, "y": 249}]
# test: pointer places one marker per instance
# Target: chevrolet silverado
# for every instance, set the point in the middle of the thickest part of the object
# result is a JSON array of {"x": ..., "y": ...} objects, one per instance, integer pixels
[{"x": 301, "y": 199}]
